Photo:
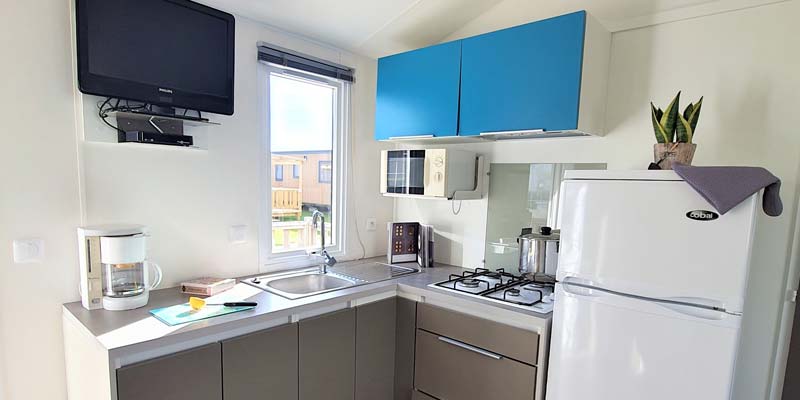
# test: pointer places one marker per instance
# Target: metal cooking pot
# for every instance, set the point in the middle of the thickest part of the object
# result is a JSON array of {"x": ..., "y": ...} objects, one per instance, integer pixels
[{"x": 537, "y": 251}]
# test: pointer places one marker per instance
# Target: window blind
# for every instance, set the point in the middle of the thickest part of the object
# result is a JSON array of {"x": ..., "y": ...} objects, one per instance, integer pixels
[{"x": 287, "y": 58}]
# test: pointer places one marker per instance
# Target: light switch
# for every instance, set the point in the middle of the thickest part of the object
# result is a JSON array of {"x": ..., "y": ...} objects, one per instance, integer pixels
[
  {"x": 237, "y": 234},
  {"x": 28, "y": 251}
]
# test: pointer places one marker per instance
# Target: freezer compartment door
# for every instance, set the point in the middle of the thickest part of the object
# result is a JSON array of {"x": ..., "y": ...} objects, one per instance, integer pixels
[
  {"x": 636, "y": 237},
  {"x": 606, "y": 346}
]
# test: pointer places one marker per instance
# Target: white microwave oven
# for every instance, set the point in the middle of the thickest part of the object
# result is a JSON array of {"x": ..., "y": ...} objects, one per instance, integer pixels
[{"x": 427, "y": 172}]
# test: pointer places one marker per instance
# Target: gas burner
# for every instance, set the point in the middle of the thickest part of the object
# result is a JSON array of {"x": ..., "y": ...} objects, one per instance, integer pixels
[
  {"x": 502, "y": 287},
  {"x": 533, "y": 286},
  {"x": 470, "y": 282}
]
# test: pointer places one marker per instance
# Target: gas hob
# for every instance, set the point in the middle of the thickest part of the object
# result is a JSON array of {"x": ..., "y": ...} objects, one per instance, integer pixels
[{"x": 502, "y": 287}]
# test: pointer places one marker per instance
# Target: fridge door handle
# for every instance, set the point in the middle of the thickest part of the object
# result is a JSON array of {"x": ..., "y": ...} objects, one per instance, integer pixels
[
  {"x": 696, "y": 312},
  {"x": 697, "y": 307}
]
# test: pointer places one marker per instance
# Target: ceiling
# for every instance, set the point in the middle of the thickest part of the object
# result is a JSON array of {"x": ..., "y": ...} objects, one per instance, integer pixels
[{"x": 380, "y": 27}]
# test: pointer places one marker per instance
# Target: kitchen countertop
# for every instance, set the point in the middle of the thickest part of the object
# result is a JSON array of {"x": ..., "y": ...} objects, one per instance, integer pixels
[{"x": 118, "y": 329}]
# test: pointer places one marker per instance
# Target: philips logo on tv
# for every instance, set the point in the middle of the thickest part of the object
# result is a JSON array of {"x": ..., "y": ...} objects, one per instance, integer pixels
[{"x": 162, "y": 90}]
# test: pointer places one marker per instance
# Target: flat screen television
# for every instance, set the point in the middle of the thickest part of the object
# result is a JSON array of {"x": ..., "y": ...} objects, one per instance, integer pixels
[{"x": 168, "y": 53}]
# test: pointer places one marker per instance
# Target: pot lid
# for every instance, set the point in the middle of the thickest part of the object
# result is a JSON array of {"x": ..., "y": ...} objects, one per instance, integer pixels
[{"x": 545, "y": 233}]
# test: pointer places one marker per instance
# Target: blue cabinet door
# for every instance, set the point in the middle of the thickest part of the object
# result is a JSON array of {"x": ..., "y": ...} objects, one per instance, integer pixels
[
  {"x": 418, "y": 92},
  {"x": 521, "y": 78}
]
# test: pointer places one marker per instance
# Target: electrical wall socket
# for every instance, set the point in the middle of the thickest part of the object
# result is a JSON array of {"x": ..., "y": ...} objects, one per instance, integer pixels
[
  {"x": 237, "y": 234},
  {"x": 372, "y": 224},
  {"x": 28, "y": 251}
]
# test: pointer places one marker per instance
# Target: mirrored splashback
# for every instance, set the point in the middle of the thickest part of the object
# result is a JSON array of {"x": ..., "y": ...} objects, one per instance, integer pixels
[{"x": 521, "y": 196}]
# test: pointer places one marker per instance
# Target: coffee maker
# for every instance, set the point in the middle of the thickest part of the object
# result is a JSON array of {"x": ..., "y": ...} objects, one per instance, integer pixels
[{"x": 114, "y": 271}]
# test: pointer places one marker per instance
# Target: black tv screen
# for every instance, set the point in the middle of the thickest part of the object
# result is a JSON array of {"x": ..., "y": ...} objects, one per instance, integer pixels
[{"x": 173, "y": 53}]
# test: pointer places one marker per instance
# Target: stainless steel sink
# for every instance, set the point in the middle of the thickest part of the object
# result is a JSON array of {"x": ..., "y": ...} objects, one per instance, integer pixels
[
  {"x": 297, "y": 284},
  {"x": 302, "y": 283},
  {"x": 309, "y": 283}
]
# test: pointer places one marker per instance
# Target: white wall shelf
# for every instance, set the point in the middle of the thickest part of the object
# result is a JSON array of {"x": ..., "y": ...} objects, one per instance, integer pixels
[{"x": 159, "y": 117}]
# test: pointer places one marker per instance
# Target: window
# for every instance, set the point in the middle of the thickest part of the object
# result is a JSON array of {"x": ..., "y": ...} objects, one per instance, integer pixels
[
  {"x": 324, "y": 172},
  {"x": 305, "y": 124}
]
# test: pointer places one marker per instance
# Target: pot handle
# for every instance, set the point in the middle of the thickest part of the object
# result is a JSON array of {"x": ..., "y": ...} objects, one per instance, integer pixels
[{"x": 158, "y": 275}]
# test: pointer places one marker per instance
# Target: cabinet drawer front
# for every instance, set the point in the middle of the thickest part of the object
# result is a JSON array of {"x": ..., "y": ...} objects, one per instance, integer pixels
[
  {"x": 447, "y": 371},
  {"x": 505, "y": 340}
]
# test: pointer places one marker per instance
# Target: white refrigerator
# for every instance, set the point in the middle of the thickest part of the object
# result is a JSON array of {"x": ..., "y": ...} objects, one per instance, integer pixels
[{"x": 651, "y": 285}]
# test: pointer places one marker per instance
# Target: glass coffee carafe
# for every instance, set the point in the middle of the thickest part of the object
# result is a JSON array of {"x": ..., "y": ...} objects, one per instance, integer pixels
[
  {"x": 124, "y": 280},
  {"x": 125, "y": 269}
]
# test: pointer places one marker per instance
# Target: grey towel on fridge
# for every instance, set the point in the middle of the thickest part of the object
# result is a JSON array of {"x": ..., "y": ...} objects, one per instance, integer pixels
[{"x": 726, "y": 187}]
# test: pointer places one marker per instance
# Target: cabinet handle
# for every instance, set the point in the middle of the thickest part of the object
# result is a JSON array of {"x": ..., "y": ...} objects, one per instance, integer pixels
[
  {"x": 514, "y": 133},
  {"x": 471, "y": 348},
  {"x": 411, "y": 137}
]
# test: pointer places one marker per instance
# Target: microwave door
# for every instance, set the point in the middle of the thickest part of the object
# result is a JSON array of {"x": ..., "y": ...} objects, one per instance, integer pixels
[
  {"x": 416, "y": 172},
  {"x": 397, "y": 171}
]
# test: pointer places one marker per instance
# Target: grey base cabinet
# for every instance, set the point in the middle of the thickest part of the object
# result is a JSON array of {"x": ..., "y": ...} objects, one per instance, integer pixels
[
  {"x": 406, "y": 328},
  {"x": 375, "y": 350},
  {"x": 262, "y": 365},
  {"x": 417, "y": 395},
  {"x": 452, "y": 347},
  {"x": 194, "y": 374},
  {"x": 362, "y": 353},
  {"x": 327, "y": 356},
  {"x": 447, "y": 371}
]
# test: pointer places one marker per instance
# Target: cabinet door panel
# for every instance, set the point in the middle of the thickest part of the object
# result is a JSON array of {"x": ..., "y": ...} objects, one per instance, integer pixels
[
  {"x": 327, "y": 356},
  {"x": 193, "y": 374},
  {"x": 447, "y": 371},
  {"x": 262, "y": 365},
  {"x": 421, "y": 396},
  {"x": 404, "y": 349},
  {"x": 525, "y": 77},
  {"x": 418, "y": 92},
  {"x": 375, "y": 350}
]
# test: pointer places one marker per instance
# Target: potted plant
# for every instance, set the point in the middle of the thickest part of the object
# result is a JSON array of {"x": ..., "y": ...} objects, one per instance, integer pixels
[{"x": 674, "y": 132}]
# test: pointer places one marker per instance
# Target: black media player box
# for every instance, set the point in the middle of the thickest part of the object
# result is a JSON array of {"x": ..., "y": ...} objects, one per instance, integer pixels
[{"x": 154, "y": 138}]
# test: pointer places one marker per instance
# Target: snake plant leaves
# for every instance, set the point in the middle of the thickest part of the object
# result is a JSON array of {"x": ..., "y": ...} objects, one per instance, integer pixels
[
  {"x": 661, "y": 134},
  {"x": 670, "y": 117},
  {"x": 694, "y": 115},
  {"x": 688, "y": 122}
]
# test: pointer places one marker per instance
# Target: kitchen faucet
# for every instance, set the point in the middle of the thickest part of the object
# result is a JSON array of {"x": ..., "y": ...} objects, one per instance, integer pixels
[{"x": 327, "y": 259}]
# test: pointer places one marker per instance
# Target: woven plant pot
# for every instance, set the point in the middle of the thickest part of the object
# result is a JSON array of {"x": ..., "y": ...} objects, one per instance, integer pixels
[{"x": 665, "y": 154}]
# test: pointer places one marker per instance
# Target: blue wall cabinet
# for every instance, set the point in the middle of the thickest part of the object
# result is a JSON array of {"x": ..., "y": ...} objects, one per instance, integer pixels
[
  {"x": 523, "y": 78},
  {"x": 418, "y": 92}
]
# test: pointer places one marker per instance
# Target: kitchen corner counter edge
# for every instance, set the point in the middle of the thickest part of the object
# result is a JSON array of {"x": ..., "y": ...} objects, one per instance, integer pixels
[{"x": 127, "y": 330}]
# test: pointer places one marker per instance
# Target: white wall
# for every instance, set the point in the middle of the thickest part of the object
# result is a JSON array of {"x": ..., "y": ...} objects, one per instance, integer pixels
[
  {"x": 744, "y": 65},
  {"x": 38, "y": 170},
  {"x": 188, "y": 198}
]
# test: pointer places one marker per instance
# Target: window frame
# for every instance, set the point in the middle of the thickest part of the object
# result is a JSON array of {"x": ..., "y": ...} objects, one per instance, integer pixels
[
  {"x": 296, "y": 171},
  {"x": 279, "y": 176},
  {"x": 269, "y": 261},
  {"x": 319, "y": 171}
]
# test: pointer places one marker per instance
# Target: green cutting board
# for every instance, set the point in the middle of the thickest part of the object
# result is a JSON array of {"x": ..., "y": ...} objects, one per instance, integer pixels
[{"x": 183, "y": 313}]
